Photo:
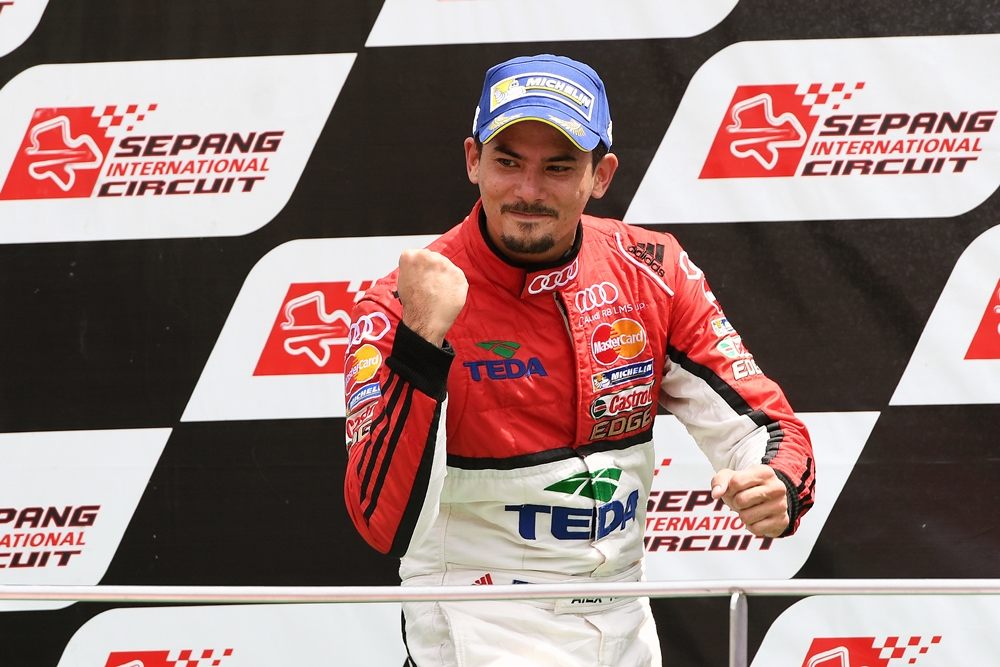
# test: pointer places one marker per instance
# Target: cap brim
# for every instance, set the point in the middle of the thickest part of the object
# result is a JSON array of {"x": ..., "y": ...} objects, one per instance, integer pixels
[{"x": 581, "y": 136}]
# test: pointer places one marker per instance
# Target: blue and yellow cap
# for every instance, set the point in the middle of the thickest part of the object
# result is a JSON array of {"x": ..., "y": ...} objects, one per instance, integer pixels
[{"x": 566, "y": 94}]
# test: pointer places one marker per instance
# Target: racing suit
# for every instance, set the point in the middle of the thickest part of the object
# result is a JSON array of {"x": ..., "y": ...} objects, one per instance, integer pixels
[{"x": 521, "y": 451}]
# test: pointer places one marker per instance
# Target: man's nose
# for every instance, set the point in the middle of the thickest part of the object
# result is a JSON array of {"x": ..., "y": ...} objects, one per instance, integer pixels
[{"x": 530, "y": 186}]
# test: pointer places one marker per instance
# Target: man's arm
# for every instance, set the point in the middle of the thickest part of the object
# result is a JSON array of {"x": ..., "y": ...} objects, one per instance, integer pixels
[
  {"x": 395, "y": 422},
  {"x": 737, "y": 415}
]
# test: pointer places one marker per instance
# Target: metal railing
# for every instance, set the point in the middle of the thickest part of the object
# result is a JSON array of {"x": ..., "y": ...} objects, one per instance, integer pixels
[{"x": 735, "y": 590}]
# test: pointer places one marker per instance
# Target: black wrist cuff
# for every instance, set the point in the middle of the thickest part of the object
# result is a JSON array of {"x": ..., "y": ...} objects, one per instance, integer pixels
[
  {"x": 420, "y": 362},
  {"x": 793, "y": 502}
]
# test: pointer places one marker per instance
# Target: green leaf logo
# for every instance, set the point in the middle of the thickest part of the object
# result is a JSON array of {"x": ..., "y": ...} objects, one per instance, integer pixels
[
  {"x": 502, "y": 348},
  {"x": 599, "y": 485}
]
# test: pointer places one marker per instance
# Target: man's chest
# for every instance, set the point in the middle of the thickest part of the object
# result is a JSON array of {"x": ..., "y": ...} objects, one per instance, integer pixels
[{"x": 563, "y": 368}]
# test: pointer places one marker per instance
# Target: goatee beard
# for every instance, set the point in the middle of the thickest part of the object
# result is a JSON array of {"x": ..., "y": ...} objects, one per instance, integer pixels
[{"x": 528, "y": 246}]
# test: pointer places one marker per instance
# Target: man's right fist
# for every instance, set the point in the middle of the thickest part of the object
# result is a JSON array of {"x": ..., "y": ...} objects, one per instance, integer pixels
[{"x": 432, "y": 291}]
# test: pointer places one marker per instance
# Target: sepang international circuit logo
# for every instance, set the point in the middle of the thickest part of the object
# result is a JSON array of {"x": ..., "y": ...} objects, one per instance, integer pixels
[
  {"x": 313, "y": 330},
  {"x": 867, "y": 651},
  {"x": 763, "y": 126},
  {"x": 158, "y": 149},
  {"x": 183, "y": 658},
  {"x": 986, "y": 341},
  {"x": 957, "y": 359},
  {"x": 101, "y": 152},
  {"x": 796, "y": 130}
]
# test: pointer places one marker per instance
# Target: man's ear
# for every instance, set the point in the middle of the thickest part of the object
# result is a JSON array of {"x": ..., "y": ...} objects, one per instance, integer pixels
[
  {"x": 472, "y": 160},
  {"x": 603, "y": 174}
]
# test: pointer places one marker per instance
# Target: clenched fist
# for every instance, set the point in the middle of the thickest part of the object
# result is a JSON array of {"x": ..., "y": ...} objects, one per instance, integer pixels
[
  {"x": 757, "y": 495},
  {"x": 432, "y": 291}
]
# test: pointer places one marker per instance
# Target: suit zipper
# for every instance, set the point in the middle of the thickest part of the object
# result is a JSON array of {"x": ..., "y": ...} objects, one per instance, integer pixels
[{"x": 565, "y": 315}]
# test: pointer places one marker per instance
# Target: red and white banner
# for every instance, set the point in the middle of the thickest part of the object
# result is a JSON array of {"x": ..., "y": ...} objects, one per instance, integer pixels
[
  {"x": 689, "y": 536},
  {"x": 422, "y": 22},
  {"x": 66, "y": 499},
  {"x": 957, "y": 359},
  {"x": 240, "y": 636},
  {"x": 18, "y": 19},
  {"x": 831, "y": 129},
  {"x": 281, "y": 352},
  {"x": 162, "y": 149},
  {"x": 884, "y": 631}
]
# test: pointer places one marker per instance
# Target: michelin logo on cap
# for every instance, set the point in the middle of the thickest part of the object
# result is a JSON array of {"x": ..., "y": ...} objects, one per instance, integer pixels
[
  {"x": 561, "y": 92},
  {"x": 544, "y": 85}
]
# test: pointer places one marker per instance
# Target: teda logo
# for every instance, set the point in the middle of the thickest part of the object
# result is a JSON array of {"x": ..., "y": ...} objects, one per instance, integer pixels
[
  {"x": 508, "y": 369},
  {"x": 579, "y": 523}
]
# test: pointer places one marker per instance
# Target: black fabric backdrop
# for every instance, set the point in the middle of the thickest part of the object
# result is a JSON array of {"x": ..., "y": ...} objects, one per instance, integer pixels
[{"x": 115, "y": 334}]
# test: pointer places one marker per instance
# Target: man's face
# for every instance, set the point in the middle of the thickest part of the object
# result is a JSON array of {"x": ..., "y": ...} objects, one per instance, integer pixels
[{"x": 535, "y": 184}]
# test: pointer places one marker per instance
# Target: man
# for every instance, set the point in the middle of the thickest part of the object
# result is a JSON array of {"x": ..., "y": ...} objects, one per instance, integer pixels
[{"x": 502, "y": 384}]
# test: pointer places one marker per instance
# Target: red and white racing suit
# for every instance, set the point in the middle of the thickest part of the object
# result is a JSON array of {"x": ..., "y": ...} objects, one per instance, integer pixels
[{"x": 522, "y": 450}]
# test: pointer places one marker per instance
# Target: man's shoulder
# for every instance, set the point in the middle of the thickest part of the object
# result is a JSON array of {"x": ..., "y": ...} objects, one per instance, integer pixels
[
  {"x": 617, "y": 233},
  {"x": 450, "y": 244}
]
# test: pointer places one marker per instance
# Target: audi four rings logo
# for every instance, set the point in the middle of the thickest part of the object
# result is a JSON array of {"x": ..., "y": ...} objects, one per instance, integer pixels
[
  {"x": 596, "y": 296},
  {"x": 369, "y": 327},
  {"x": 550, "y": 281}
]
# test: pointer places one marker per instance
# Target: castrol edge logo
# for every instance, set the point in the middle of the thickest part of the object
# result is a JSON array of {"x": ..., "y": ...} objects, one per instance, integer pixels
[
  {"x": 622, "y": 339},
  {"x": 63, "y": 512},
  {"x": 957, "y": 358},
  {"x": 626, "y": 400},
  {"x": 18, "y": 19},
  {"x": 158, "y": 149},
  {"x": 289, "y": 344},
  {"x": 424, "y": 22},
  {"x": 830, "y": 129}
]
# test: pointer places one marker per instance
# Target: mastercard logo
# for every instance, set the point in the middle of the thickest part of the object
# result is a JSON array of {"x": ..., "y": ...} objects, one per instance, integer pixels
[
  {"x": 622, "y": 339},
  {"x": 362, "y": 365}
]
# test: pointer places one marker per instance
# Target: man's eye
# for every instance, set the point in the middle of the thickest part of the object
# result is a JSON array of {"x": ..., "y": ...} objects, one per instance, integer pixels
[{"x": 504, "y": 162}]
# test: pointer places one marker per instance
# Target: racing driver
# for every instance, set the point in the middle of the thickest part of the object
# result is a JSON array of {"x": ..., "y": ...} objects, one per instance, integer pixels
[{"x": 502, "y": 383}]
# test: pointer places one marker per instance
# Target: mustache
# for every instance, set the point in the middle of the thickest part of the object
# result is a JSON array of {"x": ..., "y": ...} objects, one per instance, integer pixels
[{"x": 528, "y": 209}]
